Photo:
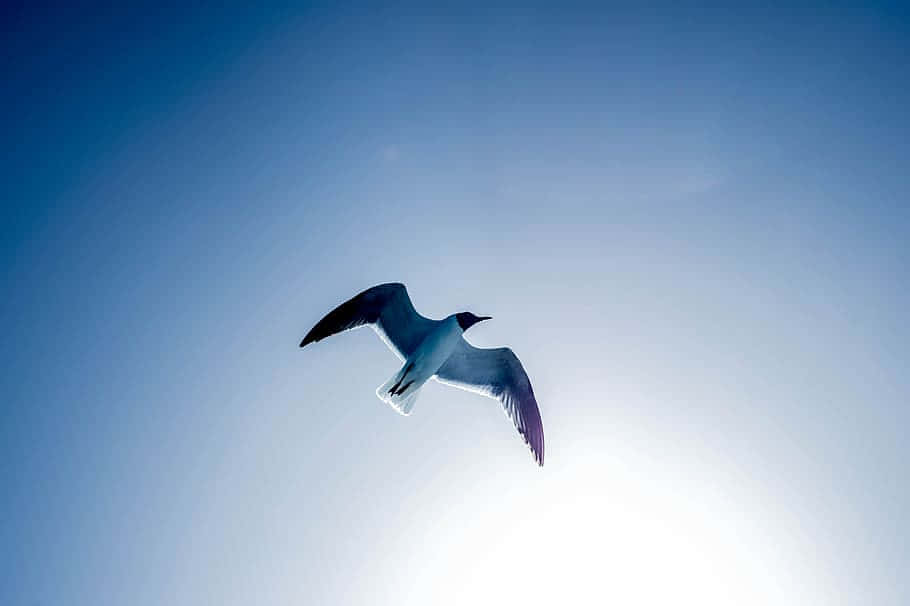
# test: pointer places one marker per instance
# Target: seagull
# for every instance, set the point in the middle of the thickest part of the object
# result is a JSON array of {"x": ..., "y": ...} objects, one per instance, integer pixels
[{"x": 436, "y": 349}]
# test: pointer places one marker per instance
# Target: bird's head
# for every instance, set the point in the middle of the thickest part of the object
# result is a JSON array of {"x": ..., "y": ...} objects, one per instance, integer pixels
[{"x": 466, "y": 319}]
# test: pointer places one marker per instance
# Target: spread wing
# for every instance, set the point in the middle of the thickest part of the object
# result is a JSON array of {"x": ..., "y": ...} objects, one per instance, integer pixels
[
  {"x": 498, "y": 374},
  {"x": 388, "y": 309}
]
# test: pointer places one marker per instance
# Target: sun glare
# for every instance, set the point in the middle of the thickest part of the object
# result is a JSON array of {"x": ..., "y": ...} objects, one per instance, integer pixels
[{"x": 601, "y": 535}]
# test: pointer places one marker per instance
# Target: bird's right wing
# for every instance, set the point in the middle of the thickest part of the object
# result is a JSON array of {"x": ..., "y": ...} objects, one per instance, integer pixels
[
  {"x": 388, "y": 309},
  {"x": 498, "y": 374}
]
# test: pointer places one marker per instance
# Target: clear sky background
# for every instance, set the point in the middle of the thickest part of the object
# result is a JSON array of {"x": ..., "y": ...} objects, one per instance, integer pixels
[{"x": 691, "y": 225}]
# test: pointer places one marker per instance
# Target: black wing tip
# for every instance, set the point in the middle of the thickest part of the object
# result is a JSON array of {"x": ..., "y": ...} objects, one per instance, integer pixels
[
  {"x": 538, "y": 454},
  {"x": 309, "y": 338},
  {"x": 535, "y": 445}
]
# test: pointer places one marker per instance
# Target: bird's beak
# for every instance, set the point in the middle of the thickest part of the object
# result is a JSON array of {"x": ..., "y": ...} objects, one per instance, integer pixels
[{"x": 482, "y": 318}]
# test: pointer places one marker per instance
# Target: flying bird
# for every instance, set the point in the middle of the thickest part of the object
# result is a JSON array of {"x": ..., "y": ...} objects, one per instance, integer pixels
[{"x": 436, "y": 349}]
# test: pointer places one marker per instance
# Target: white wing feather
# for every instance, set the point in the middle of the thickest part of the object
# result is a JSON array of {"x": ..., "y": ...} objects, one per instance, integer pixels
[{"x": 498, "y": 374}]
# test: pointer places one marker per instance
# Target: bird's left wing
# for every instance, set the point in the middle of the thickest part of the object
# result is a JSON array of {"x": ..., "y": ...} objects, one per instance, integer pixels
[
  {"x": 498, "y": 374},
  {"x": 388, "y": 309}
]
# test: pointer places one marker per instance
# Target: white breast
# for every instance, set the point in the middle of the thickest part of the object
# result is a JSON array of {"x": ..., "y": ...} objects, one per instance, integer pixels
[{"x": 436, "y": 348}]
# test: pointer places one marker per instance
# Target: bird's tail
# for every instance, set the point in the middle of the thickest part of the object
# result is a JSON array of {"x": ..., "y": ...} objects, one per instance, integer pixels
[{"x": 399, "y": 392}]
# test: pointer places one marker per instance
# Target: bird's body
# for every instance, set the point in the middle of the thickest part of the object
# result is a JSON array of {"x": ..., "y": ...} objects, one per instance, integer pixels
[
  {"x": 437, "y": 349},
  {"x": 401, "y": 390}
]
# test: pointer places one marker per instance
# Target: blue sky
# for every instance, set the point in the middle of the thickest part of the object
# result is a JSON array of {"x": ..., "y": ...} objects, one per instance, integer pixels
[{"x": 690, "y": 225}]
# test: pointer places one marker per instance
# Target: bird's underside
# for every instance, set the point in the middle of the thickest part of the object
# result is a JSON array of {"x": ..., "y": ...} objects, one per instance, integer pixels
[
  {"x": 436, "y": 349},
  {"x": 401, "y": 390}
]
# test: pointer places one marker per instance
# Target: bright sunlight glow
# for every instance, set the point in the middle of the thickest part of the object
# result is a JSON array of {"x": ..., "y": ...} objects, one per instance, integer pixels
[{"x": 606, "y": 535}]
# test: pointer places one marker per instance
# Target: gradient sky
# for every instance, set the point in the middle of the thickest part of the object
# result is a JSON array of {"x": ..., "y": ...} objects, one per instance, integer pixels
[{"x": 691, "y": 226}]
